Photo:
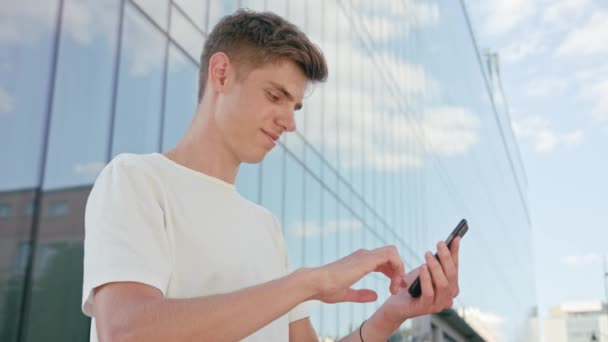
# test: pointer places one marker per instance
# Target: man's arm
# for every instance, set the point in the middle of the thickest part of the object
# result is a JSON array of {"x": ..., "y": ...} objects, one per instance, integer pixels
[
  {"x": 376, "y": 329},
  {"x": 302, "y": 331},
  {"x": 128, "y": 311}
]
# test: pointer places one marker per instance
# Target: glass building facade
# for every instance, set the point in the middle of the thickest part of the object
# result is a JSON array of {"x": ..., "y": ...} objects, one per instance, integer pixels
[{"x": 403, "y": 140}]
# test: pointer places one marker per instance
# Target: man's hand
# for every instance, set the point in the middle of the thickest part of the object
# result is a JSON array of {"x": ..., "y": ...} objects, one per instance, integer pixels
[
  {"x": 439, "y": 284},
  {"x": 334, "y": 280}
]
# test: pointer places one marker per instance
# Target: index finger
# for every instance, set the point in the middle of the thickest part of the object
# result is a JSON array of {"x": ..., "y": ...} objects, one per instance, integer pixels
[
  {"x": 454, "y": 249},
  {"x": 389, "y": 262}
]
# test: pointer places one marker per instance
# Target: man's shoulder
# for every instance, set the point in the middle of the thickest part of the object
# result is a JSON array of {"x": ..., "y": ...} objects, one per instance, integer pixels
[
  {"x": 129, "y": 163},
  {"x": 133, "y": 159},
  {"x": 129, "y": 171}
]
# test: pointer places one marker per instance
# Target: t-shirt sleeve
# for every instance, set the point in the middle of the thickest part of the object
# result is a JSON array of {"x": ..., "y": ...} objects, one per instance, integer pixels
[
  {"x": 301, "y": 310},
  {"x": 125, "y": 237}
]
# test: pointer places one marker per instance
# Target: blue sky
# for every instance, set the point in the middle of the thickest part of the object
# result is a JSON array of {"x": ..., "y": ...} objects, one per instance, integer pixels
[{"x": 554, "y": 67}]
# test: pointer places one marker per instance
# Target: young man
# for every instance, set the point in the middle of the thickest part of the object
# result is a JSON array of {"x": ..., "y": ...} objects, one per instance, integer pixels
[{"x": 174, "y": 253}]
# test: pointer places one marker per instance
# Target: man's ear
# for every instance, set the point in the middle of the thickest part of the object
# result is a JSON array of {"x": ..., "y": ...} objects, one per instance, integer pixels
[{"x": 219, "y": 65}]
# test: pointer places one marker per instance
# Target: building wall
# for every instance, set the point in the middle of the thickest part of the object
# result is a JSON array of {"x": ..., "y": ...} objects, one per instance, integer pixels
[
  {"x": 577, "y": 322},
  {"x": 403, "y": 141}
]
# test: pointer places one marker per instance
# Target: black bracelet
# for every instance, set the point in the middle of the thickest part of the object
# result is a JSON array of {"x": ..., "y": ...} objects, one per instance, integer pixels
[{"x": 361, "y": 335}]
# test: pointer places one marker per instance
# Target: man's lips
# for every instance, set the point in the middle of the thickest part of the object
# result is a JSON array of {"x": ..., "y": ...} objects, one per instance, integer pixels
[{"x": 272, "y": 136}]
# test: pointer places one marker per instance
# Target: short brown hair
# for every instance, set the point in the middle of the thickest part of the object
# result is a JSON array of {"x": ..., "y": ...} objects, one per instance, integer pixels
[{"x": 252, "y": 39}]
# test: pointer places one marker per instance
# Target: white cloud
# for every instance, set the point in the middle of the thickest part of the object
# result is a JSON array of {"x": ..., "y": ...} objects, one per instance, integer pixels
[
  {"x": 305, "y": 229},
  {"x": 574, "y": 138},
  {"x": 592, "y": 73},
  {"x": 561, "y": 12},
  {"x": 581, "y": 260},
  {"x": 420, "y": 13},
  {"x": 447, "y": 130},
  {"x": 520, "y": 49},
  {"x": 6, "y": 101},
  {"x": 396, "y": 140},
  {"x": 28, "y": 21},
  {"x": 599, "y": 92},
  {"x": 503, "y": 15},
  {"x": 450, "y": 130},
  {"x": 588, "y": 40},
  {"x": 543, "y": 136},
  {"x": 24, "y": 21},
  {"x": 31, "y": 20},
  {"x": 89, "y": 170},
  {"x": 344, "y": 225},
  {"x": 546, "y": 87}
]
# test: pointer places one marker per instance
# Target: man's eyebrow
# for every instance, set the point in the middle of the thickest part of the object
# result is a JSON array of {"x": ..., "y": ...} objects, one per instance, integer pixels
[{"x": 286, "y": 93}]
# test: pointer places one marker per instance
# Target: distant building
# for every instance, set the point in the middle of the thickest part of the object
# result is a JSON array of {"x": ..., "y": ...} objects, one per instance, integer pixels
[{"x": 577, "y": 322}]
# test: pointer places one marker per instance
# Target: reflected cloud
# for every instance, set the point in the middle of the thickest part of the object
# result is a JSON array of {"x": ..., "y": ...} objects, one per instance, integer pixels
[
  {"x": 6, "y": 102},
  {"x": 423, "y": 14},
  {"x": 28, "y": 21},
  {"x": 306, "y": 229},
  {"x": 142, "y": 47},
  {"x": 89, "y": 170},
  {"x": 25, "y": 22},
  {"x": 450, "y": 130}
]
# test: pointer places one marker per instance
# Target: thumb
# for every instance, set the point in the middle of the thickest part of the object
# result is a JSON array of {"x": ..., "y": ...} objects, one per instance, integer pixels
[{"x": 360, "y": 296}]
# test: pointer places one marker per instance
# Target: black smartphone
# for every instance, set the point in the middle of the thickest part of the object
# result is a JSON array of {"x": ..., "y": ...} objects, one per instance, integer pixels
[{"x": 461, "y": 229}]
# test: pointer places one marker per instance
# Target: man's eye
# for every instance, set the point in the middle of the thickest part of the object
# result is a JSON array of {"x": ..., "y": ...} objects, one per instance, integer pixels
[{"x": 273, "y": 98}]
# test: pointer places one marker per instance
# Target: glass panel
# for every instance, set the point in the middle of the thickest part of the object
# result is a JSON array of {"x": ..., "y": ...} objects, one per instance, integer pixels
[
  {"x": 294, "y": 224},
  {"x": 272, "y": 180},
  {"x": 156, "y": 9},
  {"x": 196, "y": 10},
  {"x": 186, "y": 35},
  {"x": 180, "y": 97},
  {"x": 279, "y": 7},
  {"x": 218, "y": 9},
  {"x": 80, "y": 113},
  {"x": 138, "y": 102},
  {"x": 256, "y": 5},
  {"x": 248, "y": 181}
]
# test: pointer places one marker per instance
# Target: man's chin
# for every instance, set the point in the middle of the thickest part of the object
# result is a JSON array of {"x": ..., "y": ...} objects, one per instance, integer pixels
[{"x": 254, "y": 158}]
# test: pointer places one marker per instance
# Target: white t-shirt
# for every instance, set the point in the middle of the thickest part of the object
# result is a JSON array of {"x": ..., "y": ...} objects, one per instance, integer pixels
[{"x": 154, "y": 221}]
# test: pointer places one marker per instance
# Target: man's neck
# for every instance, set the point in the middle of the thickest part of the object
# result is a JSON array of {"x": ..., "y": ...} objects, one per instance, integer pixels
[{"x": 202, "y": 149}]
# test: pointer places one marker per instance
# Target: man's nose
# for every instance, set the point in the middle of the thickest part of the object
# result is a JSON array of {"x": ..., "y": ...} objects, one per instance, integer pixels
[{"x": 287, "y": 121}]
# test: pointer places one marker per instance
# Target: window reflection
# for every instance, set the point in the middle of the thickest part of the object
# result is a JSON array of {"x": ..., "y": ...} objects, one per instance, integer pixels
[
  {"x": 272, "y": 180},
  {"x": 180, "y": 97},
  {"x": 218, "y": 9},
  {"x": 138, "y": 102},
  {"x": 186, "y": 34},
  {"x": 196, "y": 10},
  {"x": 156, "y": 9}
]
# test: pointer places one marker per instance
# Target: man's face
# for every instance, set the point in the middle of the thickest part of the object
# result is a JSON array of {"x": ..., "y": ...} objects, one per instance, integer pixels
[{"x": 253, "y": 112}]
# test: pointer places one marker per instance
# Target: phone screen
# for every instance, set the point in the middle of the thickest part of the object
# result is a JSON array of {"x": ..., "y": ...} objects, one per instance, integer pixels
[{"x": 415, "y": 290}]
